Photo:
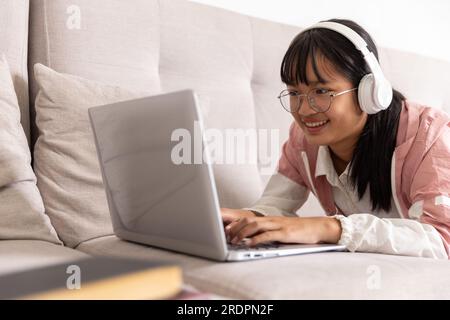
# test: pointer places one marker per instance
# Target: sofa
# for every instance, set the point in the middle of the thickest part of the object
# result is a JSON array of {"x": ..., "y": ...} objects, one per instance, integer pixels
[{"x": 232, "y": 61}]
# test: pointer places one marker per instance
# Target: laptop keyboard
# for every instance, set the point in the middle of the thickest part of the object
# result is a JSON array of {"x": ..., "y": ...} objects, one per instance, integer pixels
[{"x": 244, "y": 246}]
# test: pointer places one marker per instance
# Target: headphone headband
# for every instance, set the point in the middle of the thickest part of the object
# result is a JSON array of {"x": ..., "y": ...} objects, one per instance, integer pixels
[
  {"x": 356, "y": 39},
  {"x": 374, "y": 91}
]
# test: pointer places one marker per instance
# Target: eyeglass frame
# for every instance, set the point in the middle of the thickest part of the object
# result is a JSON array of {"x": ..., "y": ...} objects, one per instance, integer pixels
[{"x": 331, "y": 93}]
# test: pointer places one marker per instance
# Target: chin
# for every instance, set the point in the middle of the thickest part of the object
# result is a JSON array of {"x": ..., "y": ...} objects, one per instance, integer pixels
[{"x": 320, "y": 140}]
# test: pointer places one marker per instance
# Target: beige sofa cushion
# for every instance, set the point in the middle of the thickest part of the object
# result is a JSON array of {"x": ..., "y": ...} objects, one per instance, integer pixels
[
  {"x": 426, "y": 82},
  {"x": 175, "y": 45},
  {"x": 21, "y": 255},
  {"x": 114, "y": 42},
  {"x": 65, "y": 159},
  {"x": 21, "y": 209},
  {"x": 330, "y": 275},
  {"x": 14, "y": 44}
]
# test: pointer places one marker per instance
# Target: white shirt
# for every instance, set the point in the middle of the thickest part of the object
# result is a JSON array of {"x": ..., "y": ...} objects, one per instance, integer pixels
[
  {"x": 345, "y": 197},
  {"x": 363, "y": 230}
]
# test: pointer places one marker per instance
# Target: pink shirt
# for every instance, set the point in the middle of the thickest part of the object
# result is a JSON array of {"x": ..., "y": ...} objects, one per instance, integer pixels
[{"x": 420, "y": 181}]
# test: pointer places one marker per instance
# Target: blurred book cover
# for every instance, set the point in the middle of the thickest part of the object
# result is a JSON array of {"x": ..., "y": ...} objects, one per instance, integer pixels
[{"x": 96, "y": 278}]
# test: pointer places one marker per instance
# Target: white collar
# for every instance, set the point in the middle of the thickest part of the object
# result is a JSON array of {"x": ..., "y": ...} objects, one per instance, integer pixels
[{"x": 324, "y": 166}]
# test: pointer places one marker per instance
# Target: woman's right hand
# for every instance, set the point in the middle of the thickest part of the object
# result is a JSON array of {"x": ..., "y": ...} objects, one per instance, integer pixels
[{"x": 232, "y": 215}]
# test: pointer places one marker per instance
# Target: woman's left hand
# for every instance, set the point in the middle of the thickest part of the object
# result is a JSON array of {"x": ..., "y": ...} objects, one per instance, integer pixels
[{"x": 305, "y": 230}]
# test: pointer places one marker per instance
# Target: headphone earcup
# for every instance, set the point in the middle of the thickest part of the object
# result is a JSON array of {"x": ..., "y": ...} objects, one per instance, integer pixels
[
  {"x": 365, "y": 94},
  {"x": 383, "y": 93},
  {"x": 374, "y": 97}
]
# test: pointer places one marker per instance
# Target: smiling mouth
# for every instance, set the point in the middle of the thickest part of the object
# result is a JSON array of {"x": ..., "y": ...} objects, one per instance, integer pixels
[{"x": 315, "y": 124}]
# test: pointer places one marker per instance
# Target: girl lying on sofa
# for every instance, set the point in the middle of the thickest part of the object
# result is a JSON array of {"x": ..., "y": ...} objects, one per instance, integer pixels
[{"x": 378, "y": 164}]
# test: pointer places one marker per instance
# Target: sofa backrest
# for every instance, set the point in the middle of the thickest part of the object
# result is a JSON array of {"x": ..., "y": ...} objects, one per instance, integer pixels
[
  {"x": 231, "y": 60},
  {"x": 14, "y": 43}
]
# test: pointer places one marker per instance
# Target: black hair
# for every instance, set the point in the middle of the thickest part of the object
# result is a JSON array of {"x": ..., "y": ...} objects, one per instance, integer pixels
[{"x": 372, "y": 157}]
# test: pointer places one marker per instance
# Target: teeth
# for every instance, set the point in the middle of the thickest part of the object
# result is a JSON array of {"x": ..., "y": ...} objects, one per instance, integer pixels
[{"x": 315, "y": 124}]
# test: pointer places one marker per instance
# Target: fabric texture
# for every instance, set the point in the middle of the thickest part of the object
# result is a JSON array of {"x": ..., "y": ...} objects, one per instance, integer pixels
[
  {"x": 281, "y": 197},
  {"x": 22, "y": 255},
  {"x": 14, "y": 45},
  {"x": 368, "y": 233},
  {"x": 22, "y": 214},
  {"x": 65, "y": 159},
  {"x": 329, "y": 275}
]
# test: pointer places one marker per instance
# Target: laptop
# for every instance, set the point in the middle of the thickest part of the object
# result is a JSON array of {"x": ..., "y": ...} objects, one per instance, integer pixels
[{"x": 154, "y": 198}]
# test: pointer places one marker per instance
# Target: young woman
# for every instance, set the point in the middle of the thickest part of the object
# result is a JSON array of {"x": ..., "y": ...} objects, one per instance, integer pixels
[{"x": 382, "y": 174}]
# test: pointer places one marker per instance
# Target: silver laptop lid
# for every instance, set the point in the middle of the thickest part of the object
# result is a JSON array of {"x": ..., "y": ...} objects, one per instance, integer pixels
[{"x": 151, "y": 199}]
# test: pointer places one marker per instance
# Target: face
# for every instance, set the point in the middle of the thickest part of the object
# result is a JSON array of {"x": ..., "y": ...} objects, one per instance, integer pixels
[{"x": 345, "y": 119}]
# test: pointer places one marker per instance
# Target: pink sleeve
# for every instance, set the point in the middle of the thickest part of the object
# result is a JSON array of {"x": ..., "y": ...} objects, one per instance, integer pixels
[
  {"x": 430, "y": 188},
  {"x": 290, "y": 157}
]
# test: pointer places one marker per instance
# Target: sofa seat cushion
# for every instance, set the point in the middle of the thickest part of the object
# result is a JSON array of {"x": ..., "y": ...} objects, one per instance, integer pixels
[
  {"x": 332, "y": 275},
  {"x": 21, "y": 255}
]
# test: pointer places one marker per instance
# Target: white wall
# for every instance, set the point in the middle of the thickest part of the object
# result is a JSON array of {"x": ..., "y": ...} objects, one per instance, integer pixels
[{"x": 415, "y": 25}]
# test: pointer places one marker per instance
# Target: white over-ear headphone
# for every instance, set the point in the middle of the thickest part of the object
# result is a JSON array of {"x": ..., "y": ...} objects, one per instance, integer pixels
[{"x": 374, "y": 90}]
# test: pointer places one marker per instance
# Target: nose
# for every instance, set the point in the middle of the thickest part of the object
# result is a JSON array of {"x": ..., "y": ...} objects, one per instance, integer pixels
[{"x": 304, "y": 108}]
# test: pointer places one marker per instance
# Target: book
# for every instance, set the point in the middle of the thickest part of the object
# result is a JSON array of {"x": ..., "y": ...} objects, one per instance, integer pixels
[{"x": 96, "y": 278}]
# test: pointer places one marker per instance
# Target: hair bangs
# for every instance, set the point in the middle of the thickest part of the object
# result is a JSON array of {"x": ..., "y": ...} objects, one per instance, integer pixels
[{"x": 303, "y": 49}]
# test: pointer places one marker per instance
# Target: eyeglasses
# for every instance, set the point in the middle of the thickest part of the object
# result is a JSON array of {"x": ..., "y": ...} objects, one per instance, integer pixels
[{"x": 318, "y": 99}]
